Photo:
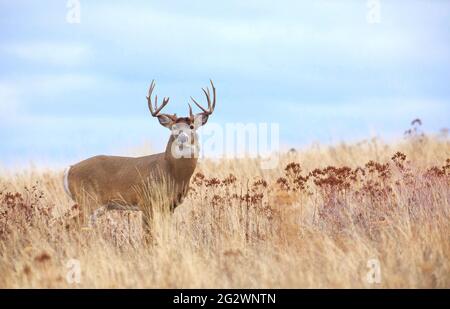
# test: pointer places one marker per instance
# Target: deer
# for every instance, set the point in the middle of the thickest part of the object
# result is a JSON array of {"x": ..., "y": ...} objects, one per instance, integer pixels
[{"x": 112, "y": 180}]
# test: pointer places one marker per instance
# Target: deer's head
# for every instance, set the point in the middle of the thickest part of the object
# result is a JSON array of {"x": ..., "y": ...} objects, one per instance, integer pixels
[{"x": 183, "y": 129}]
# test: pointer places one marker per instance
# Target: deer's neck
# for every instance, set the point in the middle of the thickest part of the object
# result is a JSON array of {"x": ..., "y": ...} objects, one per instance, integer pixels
[{"x": 180, "y": 168}]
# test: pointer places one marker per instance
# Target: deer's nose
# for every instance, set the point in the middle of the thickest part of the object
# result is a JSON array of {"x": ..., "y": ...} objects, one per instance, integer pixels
[{"x": 183, "y": 138}]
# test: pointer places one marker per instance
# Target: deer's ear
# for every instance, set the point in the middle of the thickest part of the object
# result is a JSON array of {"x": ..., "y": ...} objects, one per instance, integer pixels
[
  {"x": 165, "y": 121},
  {"x": 200, "y": 119}
]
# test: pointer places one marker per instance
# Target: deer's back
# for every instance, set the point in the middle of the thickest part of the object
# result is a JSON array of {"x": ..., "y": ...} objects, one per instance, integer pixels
[{"x": 112, "y": 178}]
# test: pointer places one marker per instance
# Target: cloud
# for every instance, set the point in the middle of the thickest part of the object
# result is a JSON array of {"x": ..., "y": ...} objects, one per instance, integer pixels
[
  {"x": 9, "y": 100},
  {"x": 42, "y": 93},
  {"x": 360, "y": 118},
  {"x": 243, "y": 39},
  {"x": 53, "y": 53},
  {"x": 373, "y": 108},
  {"x": 314, "y": 67},
  {"x": 56, "y": 84},
  {"x": 49, "y": 85}
]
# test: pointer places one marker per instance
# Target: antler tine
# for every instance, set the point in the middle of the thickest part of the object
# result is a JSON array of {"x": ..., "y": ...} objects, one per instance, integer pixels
[
  {"x": 149, "y": 97},
  {"x": 204, "y": 110},
  {"x": 207, "y": 93},
  {"x": 191, "y": 115},
  {"x": 155, "y": 111},
  {"x": 214, "y": 94},
  {"x": 164, "y": 103}
]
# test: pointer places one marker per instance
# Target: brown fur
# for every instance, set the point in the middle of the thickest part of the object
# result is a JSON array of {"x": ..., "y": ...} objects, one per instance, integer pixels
[{"x": 113, "y": 180}]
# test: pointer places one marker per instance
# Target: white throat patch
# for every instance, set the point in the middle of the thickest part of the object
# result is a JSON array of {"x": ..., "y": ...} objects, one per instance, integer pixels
[{"x": 66, "y": 182}]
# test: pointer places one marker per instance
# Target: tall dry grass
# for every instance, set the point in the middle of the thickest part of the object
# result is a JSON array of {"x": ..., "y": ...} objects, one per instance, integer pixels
[{"x": 315, "y": 221}]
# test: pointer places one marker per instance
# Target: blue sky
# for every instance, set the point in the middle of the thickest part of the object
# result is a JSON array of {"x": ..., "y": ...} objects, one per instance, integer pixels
[{"x": 318, "y": 68}]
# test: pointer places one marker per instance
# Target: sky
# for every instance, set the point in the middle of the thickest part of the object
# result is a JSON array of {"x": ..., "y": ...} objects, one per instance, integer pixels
[{"x": 324, "y": 71}]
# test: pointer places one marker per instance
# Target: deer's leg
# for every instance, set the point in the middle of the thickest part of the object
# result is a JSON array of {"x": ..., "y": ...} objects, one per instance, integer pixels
[
  {"x": 179, "y": 198},
  {"x": 175, "y": 202}
]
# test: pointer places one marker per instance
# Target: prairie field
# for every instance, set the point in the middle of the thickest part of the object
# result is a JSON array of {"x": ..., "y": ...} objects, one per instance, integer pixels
[{"x": 364, "y": 215}]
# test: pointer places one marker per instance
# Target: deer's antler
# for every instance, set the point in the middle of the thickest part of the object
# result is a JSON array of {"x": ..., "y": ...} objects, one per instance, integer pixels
[
  {"x": 155, "y": 112},
  {"x": 211, "y": 106}
]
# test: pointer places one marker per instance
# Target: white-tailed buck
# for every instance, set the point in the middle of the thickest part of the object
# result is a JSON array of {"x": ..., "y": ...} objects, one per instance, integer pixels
[{"x": 112, "y": 180}]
